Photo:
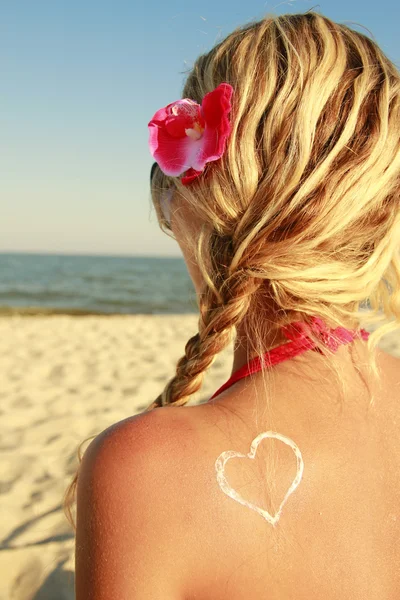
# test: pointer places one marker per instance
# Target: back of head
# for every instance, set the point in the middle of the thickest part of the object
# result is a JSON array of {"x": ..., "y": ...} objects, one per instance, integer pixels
[{"x": 301, "y": 215}]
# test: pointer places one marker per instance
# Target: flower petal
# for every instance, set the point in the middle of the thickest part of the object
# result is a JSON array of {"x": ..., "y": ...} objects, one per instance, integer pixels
[
  {"x": 173, "y": 155},
  {"x": 190, "y": 176},
  {"x": 216, "y": 105}
]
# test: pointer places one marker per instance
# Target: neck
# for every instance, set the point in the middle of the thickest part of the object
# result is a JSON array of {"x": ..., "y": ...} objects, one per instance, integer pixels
[
  {"x": 245, "y": 350},
  {"x": 270, "y": 337}
]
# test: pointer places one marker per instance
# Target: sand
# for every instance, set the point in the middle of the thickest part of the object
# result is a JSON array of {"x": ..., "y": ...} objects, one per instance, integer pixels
[{"x": 62, "y": 379}]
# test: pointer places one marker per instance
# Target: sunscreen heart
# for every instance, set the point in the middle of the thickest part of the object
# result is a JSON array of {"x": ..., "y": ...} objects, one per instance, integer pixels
[{"x": 229, "y": 491}]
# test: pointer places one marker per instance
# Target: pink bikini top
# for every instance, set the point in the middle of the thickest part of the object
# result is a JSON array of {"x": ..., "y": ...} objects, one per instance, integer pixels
[{"x": 300, "y": 342}]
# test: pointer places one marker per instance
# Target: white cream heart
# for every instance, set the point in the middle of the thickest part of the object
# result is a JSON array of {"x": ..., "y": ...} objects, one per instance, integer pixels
[{"x": 229, "y": 491}]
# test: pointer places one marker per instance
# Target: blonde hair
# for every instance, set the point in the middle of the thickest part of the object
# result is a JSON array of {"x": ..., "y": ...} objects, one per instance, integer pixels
[{"x": 301, "y": 214}]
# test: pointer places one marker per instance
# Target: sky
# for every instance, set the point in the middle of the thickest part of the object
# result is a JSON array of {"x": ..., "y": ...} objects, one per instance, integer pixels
[{"x": 80, "y": 80}]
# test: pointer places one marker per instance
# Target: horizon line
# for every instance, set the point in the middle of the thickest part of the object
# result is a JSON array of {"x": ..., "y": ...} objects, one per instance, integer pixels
[{"x": 82, "y": 253}]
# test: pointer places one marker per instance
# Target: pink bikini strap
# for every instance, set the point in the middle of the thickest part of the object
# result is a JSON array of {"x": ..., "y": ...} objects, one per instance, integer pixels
[{"x": 298, "y": 334}]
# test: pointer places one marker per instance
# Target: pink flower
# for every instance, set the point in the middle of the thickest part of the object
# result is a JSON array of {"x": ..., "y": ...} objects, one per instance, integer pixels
[{"x": 184, "y": 136}]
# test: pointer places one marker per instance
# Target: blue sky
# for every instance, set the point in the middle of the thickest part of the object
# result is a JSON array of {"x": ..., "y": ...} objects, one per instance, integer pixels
[{"x": 80, "y": 79}]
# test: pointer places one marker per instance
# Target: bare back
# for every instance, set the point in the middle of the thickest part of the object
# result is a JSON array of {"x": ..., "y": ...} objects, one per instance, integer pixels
[{"x": 339, "y": 531}]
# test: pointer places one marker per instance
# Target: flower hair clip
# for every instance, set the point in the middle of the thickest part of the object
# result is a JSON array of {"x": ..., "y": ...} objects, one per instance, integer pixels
[{"x": 184, "y": 135}]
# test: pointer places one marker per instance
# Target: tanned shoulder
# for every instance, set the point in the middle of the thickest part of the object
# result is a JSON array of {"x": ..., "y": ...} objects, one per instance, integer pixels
[{"x": 129, "y": 509}]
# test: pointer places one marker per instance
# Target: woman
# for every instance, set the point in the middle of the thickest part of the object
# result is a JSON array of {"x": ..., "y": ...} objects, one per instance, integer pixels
[{"x": 279, "y": 176}]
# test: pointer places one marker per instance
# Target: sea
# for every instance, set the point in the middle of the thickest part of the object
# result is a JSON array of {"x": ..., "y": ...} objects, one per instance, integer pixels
[{"x": 71, "y": 284}]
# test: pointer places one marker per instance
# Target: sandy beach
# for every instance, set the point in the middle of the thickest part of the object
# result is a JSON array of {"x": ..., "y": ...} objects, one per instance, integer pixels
[{"x": 64, "y": 378}]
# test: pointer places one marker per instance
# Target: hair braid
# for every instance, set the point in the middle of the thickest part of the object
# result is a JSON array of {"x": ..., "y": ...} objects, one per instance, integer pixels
[{"x": 223, "y": 305}]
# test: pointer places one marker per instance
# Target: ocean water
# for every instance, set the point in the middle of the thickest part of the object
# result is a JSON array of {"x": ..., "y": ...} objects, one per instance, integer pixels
[{"x": 94, "y": 284}]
